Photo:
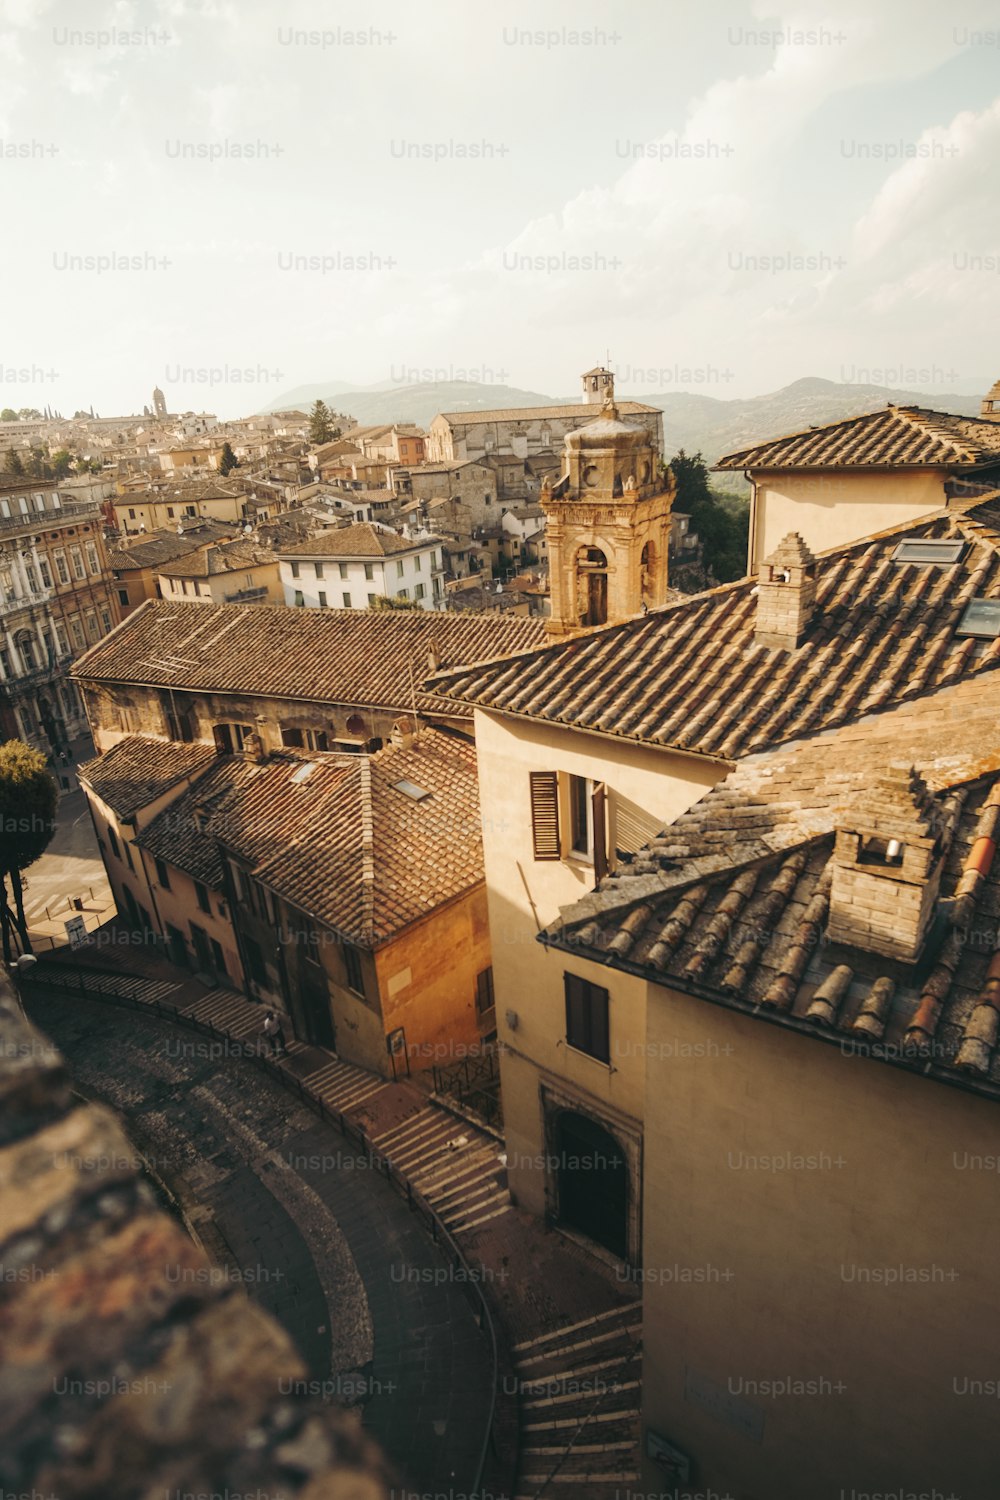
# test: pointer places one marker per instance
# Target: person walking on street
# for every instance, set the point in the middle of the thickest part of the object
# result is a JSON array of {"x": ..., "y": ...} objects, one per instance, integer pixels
[{"x": 275, "y": 1034}]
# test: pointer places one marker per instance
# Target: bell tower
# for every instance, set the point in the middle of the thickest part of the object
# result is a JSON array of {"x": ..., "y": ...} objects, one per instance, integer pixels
[{"x": 607, "y": 524}]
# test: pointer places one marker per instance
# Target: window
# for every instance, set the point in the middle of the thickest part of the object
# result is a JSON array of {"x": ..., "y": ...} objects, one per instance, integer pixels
[
  {"x": 484, "y": 991},
  {"x": 347, "y": 601},
  {"x": 59, "y": 558},
  {"x": 76, "y": 631},
  {"x": 419, "y": 591},
  {"x": 201, "y": 892},
  {"x": 291, "y": 737},
  {"x": 123, "y": 597},
  {"x": 106, "y": 619},
  {"x": 161, "y": 874},
  {"x": 587, "y": 1017},
  {"x": 295, "y": 570},
  {"x": 399, "y": 570},
  {"x": 371, "y": 600},
  {"x": 43, "y": 568},
  {"x": 343, "y": 569},
  {"x": 930, "y": 550},
  {"x": 369, "y": 571},
  {"x": 322, "y": 599},
  {"x": 93, "y": 630},
  {"x": 170, "y": 511},
  {"x": 981, "y": 618},
  {"x": 544, "y": 792},
  {"x": 581, "y": 841},
  {"x": 355, "y": 974},
  {"x": 418, "y": 562},
  {"x": 300, "y": 599},
  {"x": 319, "y": 569},
  {"x": 76, "y": 557},
  {"x": 93, "y": 561},
  {"x": 113, "y": 841},
  {"x": 128, "y": 855},
  {"x": 131, "y": 515}
]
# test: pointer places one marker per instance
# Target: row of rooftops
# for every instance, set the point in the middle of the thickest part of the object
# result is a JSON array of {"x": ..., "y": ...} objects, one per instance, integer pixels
[{"x": 366, "y": 845}]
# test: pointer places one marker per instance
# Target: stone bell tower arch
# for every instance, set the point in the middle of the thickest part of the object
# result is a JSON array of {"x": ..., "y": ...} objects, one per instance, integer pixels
[{"x": 607, "y": 524}]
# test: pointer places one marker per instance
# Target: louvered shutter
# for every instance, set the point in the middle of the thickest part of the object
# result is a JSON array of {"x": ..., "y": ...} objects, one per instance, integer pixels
[
  {"x": 545, "y": 814},
  {"x": 599, "y": 802}
]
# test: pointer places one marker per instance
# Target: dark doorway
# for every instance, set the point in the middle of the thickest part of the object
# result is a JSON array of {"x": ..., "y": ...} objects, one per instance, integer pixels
[
  {"x": 592, "y": 575},
  {"x": 176, "y": 947},
  {"x": 592, "y": 1182},
  {"x": 202, "y": 951}
]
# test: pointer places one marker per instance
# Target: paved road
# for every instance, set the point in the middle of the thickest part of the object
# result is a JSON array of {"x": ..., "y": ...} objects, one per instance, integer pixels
[{"x": 300, "y": 1219}]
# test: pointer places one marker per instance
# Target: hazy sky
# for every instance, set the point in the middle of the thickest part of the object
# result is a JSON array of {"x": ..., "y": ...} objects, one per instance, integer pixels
[{"x": 724, "y": 196}]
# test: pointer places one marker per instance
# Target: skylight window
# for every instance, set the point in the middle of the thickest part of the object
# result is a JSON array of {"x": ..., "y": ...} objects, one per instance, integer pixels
[
  {"x": 304, "y": 772},
  {"x": 929, "y": 550},
  {"x": 981, "y": 619},
  {"x": 410, "y": 789}
]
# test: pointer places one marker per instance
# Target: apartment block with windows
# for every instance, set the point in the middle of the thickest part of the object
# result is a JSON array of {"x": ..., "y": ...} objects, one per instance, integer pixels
[
  {"x": 354, "y": 567},
  {"x": 56, "y": 600}
]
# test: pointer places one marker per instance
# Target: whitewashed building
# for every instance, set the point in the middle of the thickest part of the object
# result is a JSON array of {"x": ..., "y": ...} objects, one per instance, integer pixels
[{"x": 350, "y": 567}]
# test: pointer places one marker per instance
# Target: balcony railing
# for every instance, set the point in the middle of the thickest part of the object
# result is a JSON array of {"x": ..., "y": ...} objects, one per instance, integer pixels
[
  {"x": 29, "y": 600},
  {"x": 43, "y": 520}
]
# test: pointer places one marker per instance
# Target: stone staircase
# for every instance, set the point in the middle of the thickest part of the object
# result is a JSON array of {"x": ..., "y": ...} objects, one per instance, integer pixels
[
  {"x": 579, "y": 1390},
  {"x": 457, "y": 1168}
]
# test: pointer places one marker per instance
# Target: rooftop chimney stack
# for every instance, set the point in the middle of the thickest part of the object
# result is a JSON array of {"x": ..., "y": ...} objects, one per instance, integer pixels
[
  {"x": 990, "y": 408},
  {"x": 786, "y": 594},
  {"x": 887, "y": 863}
]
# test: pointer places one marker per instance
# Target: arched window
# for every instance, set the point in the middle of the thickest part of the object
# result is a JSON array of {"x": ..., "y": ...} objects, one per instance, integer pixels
[
  {"x": 592, "y": 1181},
  {"x": 592, "y": 586}
]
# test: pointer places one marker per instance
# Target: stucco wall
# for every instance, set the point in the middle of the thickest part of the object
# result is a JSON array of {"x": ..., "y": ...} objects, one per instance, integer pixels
[
  {"x": 526, "y": 895},
  {"x": 831, "y": 508},
  {"x": 792, "y": 1180}
]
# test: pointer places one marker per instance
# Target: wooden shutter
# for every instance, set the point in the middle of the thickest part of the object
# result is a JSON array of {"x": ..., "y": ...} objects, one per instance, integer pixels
[
  {"x": 577, "y": 1030},
  {"x": 545, "y": 814},
  {"x": 598, "y": 802}
]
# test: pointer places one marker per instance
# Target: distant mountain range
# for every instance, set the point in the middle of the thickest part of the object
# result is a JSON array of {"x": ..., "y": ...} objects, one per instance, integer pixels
[{"x": 696, "y": 423}]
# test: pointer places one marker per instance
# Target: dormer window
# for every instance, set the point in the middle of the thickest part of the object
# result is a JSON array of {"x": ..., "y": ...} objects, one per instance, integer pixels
[{"x": 930, "y": 551}]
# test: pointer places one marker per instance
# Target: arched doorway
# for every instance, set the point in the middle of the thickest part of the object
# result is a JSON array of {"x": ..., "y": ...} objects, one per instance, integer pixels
[
  {"x": 592, "y": 585},
  {"x": 647, "y": 566},
  {"x": 592, "y": 1182}
]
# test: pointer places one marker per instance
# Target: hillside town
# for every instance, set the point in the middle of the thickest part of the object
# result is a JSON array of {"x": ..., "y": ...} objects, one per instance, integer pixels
[{"x": 646, "y": 936}]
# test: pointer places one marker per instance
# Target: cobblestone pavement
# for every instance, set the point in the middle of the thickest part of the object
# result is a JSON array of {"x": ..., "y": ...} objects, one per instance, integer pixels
[
  {"x": 298, "y": 1219},
  {"x": 569, "y": 1331}
]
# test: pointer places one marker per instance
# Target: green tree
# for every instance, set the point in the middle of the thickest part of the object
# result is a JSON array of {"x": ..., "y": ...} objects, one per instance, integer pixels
[
  {"x": 320, "y": 424},
  {"x": 30, "y": 414},
  {"x": 28, "y": 798},
  {"x": 720, "y": 521},
  {"x": 228, "y": 461},
  {"x": 398, "y": 601},
  {"x": 61, "y": 461},
  {"x": 8, "y": 414},
  {"x": 14, "y": 463}
]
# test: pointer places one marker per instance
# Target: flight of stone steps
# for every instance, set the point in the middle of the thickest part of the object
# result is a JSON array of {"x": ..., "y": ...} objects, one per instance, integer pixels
[
  {"x": 580, "y": 1397},
  {"x": 457, "y": 1168}
]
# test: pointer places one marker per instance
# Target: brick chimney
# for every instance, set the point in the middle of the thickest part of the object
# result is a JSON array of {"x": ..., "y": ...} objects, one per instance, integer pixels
[
  {"x": 887, "y": 863},
  {"x": 990, "y": 407},
  {"x": 404, "y": 733},
  {"x": 786, "y": 594}
]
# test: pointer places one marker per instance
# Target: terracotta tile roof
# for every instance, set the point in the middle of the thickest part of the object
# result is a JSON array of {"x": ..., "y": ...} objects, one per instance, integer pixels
[
  {"x": 181, "y": 836},
  {"x": 346, "y": 845},
  {"x": 584, "y": 409},
  {"x": 692, "y": 675},
  {"x": 229, "y": 557},
  {"x": 165, "y": 546},
  {"x": 753, "y": 935},
  {"x": 898, "y": 437},
  {"x": 136, "y": 771},
  {"x": 317, "y": 656},
  {"x": 361, "y": 539},
  {"x": 778, "y": 800}
]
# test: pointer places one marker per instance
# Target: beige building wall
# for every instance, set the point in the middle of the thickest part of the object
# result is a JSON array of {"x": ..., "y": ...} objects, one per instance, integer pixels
[
  {"x": 790, "y": 1191},
  {"x": 833, "y": 507},
  {"x": 217, "y": 588},
  {"x": 647, "y": 788},
  {"x": 177, "y": 906}
]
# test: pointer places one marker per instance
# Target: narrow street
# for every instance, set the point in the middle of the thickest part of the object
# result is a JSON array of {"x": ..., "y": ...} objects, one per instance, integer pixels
[{"x": 294, "y": 1214}]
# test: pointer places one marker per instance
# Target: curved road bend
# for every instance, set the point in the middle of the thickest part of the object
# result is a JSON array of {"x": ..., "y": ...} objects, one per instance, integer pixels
[{"x": 302, "y": 1221}]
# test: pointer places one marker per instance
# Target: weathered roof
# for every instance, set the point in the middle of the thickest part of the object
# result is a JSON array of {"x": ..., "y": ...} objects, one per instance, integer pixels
[
  {"x": 136, "y": 771},
  {"x": 586, "y": 410},
  {"x": 753, "y": 938},
  {"x": 897, "y": 437},
  {"x": 317, "y": 656},
  {"x": 361, "y": 539},
  {"x": 165, "y": 546},
  {"x": 229, "y": 557},
  {"x": 693, "y": 677},
  {"x": 346, "y": 845},
  {"x": 179, "y": 835}
]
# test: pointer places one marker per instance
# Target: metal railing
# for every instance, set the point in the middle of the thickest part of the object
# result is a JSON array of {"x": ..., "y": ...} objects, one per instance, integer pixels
[
  {"x": 126, "y": 993},
  {"x": 474, "y": 1083}
]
